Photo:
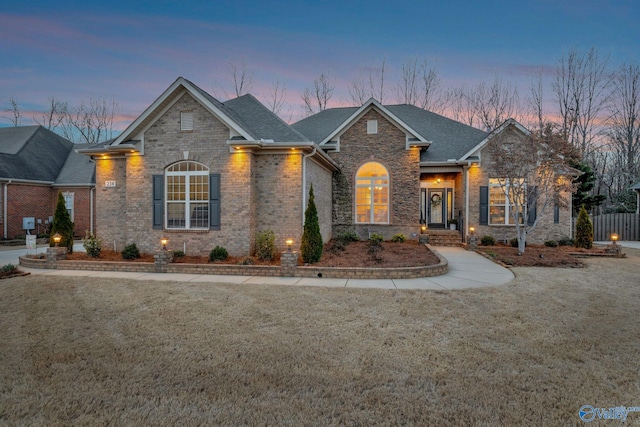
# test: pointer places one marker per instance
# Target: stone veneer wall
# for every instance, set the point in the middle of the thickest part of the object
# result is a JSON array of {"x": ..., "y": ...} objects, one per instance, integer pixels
[
  {"x": 545, "y": 230},
  {"x": 387, "y": 147},
  {"x": 110, "y": 203}
]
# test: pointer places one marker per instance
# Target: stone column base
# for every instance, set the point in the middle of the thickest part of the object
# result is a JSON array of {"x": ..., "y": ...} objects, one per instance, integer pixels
[
  {"x": 473, "y": 242},
  {"x": 289, "y": 262},
  {"x": 162, "y": 260}
]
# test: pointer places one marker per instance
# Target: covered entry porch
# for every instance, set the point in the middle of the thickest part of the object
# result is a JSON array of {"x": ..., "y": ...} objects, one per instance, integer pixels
[{"x": 441, "y": 200}]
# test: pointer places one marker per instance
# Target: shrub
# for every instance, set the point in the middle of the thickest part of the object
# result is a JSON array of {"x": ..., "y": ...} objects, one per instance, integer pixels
[
  {"x": 9, "y": 268},
  {"x": 265, "y": 245},
  {"x": 178, "y": 254},
  {"x": 218, "y": 254},
  {"x": 551, "y": 243},
  {"x": 246, "y": 261},
  {"x": 584, "y": 230},
  {"x": 62, "y": 224},
  {"x": 92, "y": 245},
  {"x": 514, "y": 242},
  {"x": 487, "y": 241},
  {"x": 565, "y": 241},
  {"x": 375, "y": 245},
  {"x": 337, "y": 246},
  {"x": 399, "y": 238},
  {"x": 130, "y": 252},
  {"x": 311, "y": 242},
  {"x": 348, "y": 236}
]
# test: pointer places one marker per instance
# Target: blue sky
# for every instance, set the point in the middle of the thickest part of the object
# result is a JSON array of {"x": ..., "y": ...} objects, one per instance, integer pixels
[{"x": 132, "y": 51}]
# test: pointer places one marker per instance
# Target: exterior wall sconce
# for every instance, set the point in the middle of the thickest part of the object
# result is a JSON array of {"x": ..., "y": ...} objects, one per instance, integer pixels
[
  {"x": 289, "y": 243},
  {"x": 164, "y": 242},
  {"x": 614, "y": 238},
  {"x": 472, "y": 230},
  {"x": 57, "y": 238},
  {"x": 423, "y": 228}
]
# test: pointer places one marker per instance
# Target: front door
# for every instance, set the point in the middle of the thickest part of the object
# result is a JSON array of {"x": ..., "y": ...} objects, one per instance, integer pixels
[{"x": 436, "y": 207}]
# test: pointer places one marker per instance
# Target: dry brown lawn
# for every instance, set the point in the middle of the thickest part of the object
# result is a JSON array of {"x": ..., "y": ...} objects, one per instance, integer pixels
[{"x": 78, "y": 351}]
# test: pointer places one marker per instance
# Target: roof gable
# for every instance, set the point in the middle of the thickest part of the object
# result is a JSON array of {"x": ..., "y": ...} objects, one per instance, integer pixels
[
  {"x": 510, "y": 123},
  {"x": 331, "y": 124}
]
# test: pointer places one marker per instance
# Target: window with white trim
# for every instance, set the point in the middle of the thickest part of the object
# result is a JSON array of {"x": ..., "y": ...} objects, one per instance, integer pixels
[
  {"x": 187, "y": 200},
  {"x": 372, "y": 126},
  {"x": 372, "y": 194},
  {"x": 68, "y": 203},
  {"x": 186, "y": 120},
  {"x": 502, "y": 201}
]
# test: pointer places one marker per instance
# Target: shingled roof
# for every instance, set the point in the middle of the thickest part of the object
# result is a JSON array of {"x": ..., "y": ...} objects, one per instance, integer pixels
[
  {"x": 449, "y": 139},
  {"x": 34, "y": 153}
]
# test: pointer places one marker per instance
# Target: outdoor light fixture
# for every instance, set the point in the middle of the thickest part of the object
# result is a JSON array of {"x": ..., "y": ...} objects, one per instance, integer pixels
[
  {"x": 472, "y": 229},
  {"x": 57, "y": 238},
  {"x": 289, "y": 243},
  {"x": 164, "y": 242},
  {"x": 423, "y": 228},
  {"x": 614, "y": 238}
]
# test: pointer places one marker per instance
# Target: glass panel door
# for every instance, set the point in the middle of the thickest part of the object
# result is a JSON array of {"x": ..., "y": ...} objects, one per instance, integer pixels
[{"x": 437, "y": 206}]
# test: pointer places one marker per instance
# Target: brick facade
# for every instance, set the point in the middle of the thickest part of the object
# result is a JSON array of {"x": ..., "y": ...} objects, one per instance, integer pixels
[
  {"x": 259, "y": 191},
  {"x": 388, "y": 147},
  {"x": 39, "y": 202},
  {"x": 545, "y": 230}
]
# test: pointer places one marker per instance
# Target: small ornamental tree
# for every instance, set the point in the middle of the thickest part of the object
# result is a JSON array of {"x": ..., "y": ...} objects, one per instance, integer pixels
[
  {"x": 62, "y": 224},
  {"x": 584, "y": 230},
  {"x": 311, "y": 243}
]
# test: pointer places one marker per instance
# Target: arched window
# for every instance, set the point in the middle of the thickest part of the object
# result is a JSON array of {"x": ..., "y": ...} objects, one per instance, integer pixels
[
  {"x": 372, "y": 194},
  {"x": 187, "y": 190}
]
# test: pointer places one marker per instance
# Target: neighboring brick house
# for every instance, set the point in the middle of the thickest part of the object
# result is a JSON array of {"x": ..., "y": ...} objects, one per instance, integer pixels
[
  {"x": 35, "y": 165},
  {"x": 204, "y": 173}
]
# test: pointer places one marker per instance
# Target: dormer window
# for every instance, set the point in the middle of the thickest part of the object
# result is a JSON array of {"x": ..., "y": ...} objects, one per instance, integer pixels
[
  {"x": 186, "y": 120},
  {"x": 372, "y": 127}
]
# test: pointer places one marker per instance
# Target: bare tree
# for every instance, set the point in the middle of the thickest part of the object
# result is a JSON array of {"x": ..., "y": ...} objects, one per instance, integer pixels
[
  {"x": 90, "y": 122},
  {"x": 536, "y": 98},
  {"x": 13, "y": 112},
  {"x": 408, "y": 86},
  {"x": 369, "y": 83},
  {"x": 54, "y": 116},
  {"x": 431, "y": 93},
  {"x": 461, "y": 104},
  {"x": 580, "y": 87},
  {"x": 496, "y": 103},
  {"x": 317, "y": 100},
  {"x": 532, "y": 173},
  {"x": 277, "y": 97},
  {"x": 624, "y": 134}
]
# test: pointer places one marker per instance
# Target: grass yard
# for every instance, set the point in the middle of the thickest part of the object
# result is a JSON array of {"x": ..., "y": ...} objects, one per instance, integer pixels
[{"x": 79, "y": 351}]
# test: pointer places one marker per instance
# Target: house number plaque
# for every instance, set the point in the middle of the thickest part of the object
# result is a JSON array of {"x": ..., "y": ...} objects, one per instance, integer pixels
[{"x": 109, "y": 183}]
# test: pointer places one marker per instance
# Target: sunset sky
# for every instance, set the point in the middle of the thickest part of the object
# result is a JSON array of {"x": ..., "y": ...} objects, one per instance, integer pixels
[{"x": 133, "y": 50}]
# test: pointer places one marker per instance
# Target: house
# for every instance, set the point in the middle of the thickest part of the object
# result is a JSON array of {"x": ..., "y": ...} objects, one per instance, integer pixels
[
  {"x": 636, "y": 188},
  {"x": 35, "y": 165},
  {"x": 202, "y": 173}
]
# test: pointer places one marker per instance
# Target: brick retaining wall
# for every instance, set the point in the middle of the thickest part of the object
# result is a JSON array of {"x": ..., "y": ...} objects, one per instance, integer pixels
[{"x": 250, "y": 270}]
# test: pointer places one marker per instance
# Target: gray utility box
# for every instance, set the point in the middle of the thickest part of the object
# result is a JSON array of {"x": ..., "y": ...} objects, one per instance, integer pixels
[{"x": 28, "y": 223}]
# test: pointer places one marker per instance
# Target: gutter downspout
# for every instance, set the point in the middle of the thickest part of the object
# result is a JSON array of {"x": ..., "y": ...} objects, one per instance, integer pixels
[
  {"x": 304, "y": 181},
  {"x": 466, "y": 201},
  {"x": 4, "y": 209},
  {"x": 91, "y": 210}
]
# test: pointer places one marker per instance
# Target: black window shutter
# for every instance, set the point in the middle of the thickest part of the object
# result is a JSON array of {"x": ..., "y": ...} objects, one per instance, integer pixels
[
  {"x": 531, "y": 206},
  {"x": 484, "y": 205},
  {"x": 556, "y": 213},
  {"x": 158, "y": 201},
  {"x": 214, "y": 201}
]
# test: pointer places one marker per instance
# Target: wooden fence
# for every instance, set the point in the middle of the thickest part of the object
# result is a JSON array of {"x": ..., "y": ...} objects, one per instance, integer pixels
[{"x": 626, "y": 225}]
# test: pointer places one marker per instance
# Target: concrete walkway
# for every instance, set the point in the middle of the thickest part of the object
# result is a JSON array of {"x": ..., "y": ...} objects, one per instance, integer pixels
[{"x": 466, "y": 270}]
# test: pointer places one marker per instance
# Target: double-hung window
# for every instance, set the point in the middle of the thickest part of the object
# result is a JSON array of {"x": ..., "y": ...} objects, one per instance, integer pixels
[
  {"x": 372, "y": 194},
  {"x": 505, "y": 198},
  {"x": 187, "y": 196}
]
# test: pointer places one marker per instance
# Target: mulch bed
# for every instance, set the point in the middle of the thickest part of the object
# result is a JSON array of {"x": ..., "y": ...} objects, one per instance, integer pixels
[
  {"x": 539, "y": 255},
  {"x": 354, "y": 254}
]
